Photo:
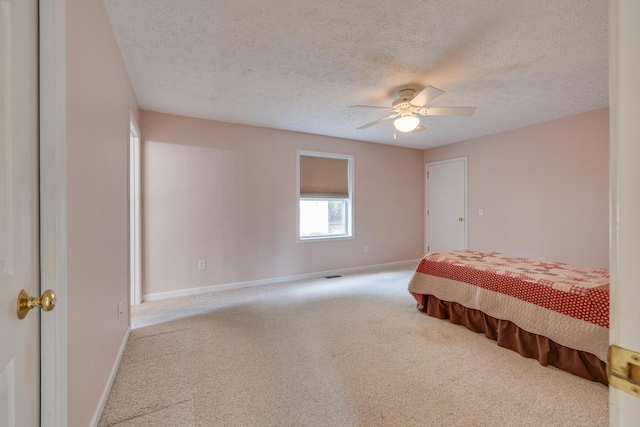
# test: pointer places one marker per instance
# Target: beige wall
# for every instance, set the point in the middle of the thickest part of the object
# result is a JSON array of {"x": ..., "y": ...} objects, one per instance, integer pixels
[
  {"x": 226, "y": 194},
  {"x": 99, "y": 97},
  {"x": 544, "y": 189}
]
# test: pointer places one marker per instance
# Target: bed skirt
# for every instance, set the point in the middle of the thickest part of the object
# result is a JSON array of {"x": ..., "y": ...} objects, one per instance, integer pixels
[{"x": 510, "y": 336}]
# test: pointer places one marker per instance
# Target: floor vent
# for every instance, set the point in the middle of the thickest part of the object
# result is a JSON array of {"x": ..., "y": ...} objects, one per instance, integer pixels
[{"x": 332, "y": 277}]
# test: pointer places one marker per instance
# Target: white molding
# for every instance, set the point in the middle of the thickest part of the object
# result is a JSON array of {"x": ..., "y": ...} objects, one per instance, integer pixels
[
  {"x": 251, "y": 283},
  {"x": 107, "y": 387},
  {"x": 133, "y": 124},
  {"x": 425, "y": 207},
  {"x": 324, "y": 238},
  {"x": 624, "y": 128},
  {"x": 324, "y": 154},
  {"x": 53, "y": 210},
  {"x": 439, "y": 162},
  {"x": 135, "y": 219}
]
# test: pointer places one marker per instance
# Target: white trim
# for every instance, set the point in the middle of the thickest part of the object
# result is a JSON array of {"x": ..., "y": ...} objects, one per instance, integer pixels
[
  {"x": 133, "y": 124},
  {"x": 316, "y": 239},
  {"x": 351, "y": 173},
  {"x": 426, "y": 208},
  {"x": 440, "y": 162},
  {"x": 112, "y": 376},
  {"x": 135, "y": 219},
  {"x": 53, "y": 210},
  {"x": 239, "y": 285},
  {"x": 624, "y": 131},
  {"x": 466, "y": 199},
  {"x": 323, "y": 154}
]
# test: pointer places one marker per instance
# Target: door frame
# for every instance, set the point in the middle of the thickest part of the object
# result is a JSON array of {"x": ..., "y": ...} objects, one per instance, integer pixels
[
  {"x": 53, "y": 210},
  {"x": 465, "y": 159},
  {"x": 135, "y": 216},
  {"x": 53, "y": 207},
  {"x": 624, "y": 87}
]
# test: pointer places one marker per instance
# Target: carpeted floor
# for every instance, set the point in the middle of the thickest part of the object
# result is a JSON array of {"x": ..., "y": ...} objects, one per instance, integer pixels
[{"x": 350, "y": 351}]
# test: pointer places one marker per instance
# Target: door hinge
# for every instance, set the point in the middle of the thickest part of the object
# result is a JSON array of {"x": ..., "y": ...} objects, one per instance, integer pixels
[
  {"x": 427, "y": 174},
  {"x": 427, "y": 211},
  {"x": 623, "y": 370}
]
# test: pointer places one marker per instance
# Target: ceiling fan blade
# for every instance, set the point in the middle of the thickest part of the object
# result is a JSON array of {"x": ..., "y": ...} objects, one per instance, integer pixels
[
  {"x": 427, "y": 95},
  {"x": 391, "y": 116},
  {"x": 449, "y": 111},
  {"x": 372, "y": 106}
]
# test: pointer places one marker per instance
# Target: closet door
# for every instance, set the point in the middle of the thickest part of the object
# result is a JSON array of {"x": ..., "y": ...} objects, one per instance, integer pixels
[{"x": 447, "y": 205}]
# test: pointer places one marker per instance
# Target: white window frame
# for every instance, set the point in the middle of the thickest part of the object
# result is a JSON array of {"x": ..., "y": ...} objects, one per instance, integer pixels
[{"x": 350, "y": 202}]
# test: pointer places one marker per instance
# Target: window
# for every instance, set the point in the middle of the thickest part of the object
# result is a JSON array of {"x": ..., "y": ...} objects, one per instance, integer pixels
[{"x": 325, "y": 194}]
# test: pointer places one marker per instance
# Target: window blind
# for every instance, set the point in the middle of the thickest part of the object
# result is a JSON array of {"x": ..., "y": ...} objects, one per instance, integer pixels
[{"x": 324, "y": 177}]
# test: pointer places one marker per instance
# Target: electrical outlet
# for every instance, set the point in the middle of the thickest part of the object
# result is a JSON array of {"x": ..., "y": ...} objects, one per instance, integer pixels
[
  {"x": 120, "y": 312},
  {"x": 202, "y": 264},
  {"x": 541, "y": 258},
  {"x": 366, "y": 249}
]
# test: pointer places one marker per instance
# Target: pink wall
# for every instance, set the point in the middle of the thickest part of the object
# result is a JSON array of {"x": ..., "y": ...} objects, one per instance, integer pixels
[
  {"x": 544, "y": 189},
  {"x": 99, "y": 97},
  {"x": 226, "y": 194}
]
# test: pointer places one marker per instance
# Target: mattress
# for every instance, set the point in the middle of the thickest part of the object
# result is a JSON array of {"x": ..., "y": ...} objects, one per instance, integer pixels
[{"x": 565, "y": 303}]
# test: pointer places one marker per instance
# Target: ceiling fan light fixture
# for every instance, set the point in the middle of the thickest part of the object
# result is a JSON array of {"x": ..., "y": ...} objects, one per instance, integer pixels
[{"x": 406, "y": 122}]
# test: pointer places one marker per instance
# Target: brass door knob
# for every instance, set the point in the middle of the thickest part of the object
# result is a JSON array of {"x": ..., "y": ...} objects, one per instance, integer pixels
[
  {"x": 26, "y": 302},
  {"x": 461, "y": 219}
]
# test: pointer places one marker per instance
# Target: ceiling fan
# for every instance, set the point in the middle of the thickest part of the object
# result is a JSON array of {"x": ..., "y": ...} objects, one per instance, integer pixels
[{"x": 408, "y": 108}]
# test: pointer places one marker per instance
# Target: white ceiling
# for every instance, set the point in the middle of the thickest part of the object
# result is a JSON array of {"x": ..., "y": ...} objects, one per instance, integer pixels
[{"x": 300, "y": 65}]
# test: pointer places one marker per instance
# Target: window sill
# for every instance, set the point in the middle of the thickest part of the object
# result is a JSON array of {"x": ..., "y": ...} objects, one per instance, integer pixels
[{"x": 323, "y": 239}]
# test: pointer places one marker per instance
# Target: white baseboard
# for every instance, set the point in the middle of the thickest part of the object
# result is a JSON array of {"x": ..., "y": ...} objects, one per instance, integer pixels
[
  {"x": 238, "y": 285},
  {"x": 112, "y": 377}
]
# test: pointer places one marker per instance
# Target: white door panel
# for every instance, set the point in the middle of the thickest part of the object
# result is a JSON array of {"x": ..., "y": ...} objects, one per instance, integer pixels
[
  {"x": 19, "y": 240},
  {"x": 624, "y": 34},
  {"x": 447, "y": 205}
]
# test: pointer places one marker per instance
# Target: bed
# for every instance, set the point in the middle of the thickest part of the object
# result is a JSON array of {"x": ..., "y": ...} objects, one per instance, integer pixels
[{"x": 553, "y": 312}]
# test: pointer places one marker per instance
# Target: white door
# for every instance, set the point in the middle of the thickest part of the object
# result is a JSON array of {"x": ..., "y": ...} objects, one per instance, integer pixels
[
  {"x": 19, "y": 261},
  {"x": 447, "y": 205},
  {"x": 624, "y": 34}
]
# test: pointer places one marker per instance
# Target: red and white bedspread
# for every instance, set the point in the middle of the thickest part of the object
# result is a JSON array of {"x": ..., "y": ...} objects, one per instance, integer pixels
[{"x": 565, "y": 303}]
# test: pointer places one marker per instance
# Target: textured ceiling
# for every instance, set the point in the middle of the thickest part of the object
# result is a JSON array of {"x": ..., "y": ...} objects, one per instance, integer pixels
[{"x": 299, "y": 65}]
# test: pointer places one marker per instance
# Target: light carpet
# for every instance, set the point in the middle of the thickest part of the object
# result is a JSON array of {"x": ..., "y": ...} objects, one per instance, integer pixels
[{"x": 350, "y": 351}]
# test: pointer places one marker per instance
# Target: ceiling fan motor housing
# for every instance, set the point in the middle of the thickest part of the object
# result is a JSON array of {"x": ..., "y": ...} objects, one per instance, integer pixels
[
  {"x": 407, "y": 93},
  {"x": 403, "y": 104}
]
